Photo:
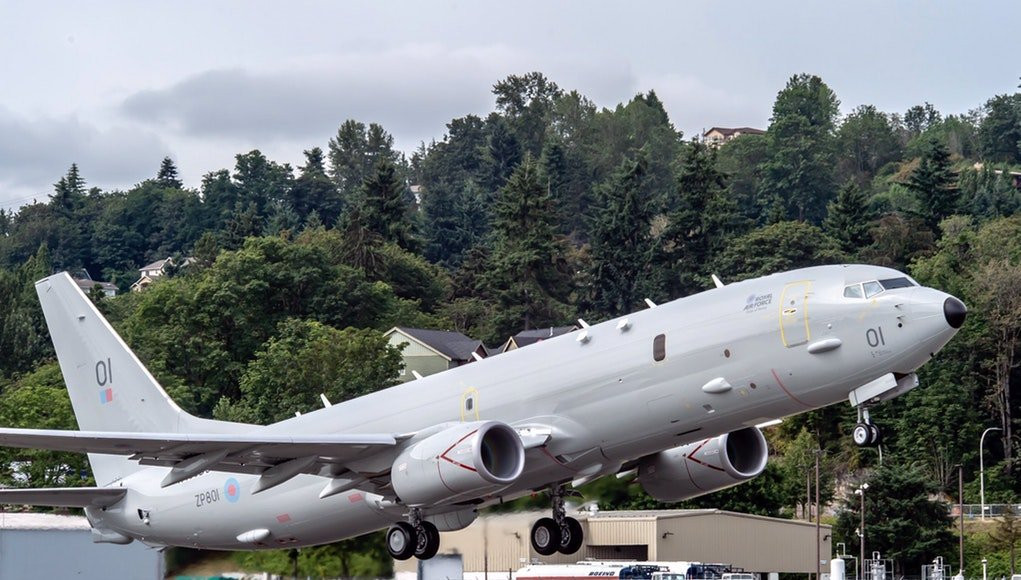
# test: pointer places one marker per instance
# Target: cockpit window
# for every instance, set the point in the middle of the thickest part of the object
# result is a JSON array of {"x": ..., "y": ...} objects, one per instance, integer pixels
[
  {"x": 892, "y": 283},
  {"x": 853, "y": 291},
  {"x": 872, "y": 288}
]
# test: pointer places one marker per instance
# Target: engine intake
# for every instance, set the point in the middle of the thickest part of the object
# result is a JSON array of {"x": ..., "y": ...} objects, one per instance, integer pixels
[
  {"x": 699, "y": 468},
  {"x": 465, "y": 461}
]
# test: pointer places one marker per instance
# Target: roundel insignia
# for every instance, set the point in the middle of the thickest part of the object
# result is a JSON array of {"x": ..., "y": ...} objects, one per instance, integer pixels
[{"x": 232, "y": 490}]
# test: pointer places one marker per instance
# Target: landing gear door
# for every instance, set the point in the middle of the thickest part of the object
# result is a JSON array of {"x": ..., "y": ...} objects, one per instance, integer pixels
[{"x": 793, "y": 313}]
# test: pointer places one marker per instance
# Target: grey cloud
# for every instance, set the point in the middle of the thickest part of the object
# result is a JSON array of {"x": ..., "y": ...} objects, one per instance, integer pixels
[
  {"x": 35, "y": 152},
  {"x": 412, "y": 91}
]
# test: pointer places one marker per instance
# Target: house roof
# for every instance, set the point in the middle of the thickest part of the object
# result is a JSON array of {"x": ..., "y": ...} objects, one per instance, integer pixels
[
  {"x": 733, "y": 130},
  {"x": 526, "y": 337},
  {"x": 157, "y": 265},
  {"x": 448, "y": 343},
  {"x": 89, "y": 284}
]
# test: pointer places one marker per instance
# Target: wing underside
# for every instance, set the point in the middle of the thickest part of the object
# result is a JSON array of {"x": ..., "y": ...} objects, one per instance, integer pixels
[{"x": 79, "y": 497}]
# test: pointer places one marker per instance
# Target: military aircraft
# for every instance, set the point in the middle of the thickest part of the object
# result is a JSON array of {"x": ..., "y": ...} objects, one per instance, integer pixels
[{"x": 672, "y": 394}]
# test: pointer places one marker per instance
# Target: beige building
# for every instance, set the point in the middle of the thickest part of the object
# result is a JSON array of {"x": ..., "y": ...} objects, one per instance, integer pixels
[
  {"x": 499, "y": 544},
  {"x": 427, "y": 352},
  {"x": 719, "y": 135}
]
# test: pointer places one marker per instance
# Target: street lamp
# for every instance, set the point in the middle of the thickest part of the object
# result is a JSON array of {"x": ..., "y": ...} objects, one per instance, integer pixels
[
  {"x": 861, "y": 526},
  {"x": 982, "y": 470}
]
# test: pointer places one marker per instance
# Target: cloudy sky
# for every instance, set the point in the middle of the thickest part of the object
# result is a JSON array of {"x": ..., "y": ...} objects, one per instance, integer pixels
[{"x": 115, "y": 86}]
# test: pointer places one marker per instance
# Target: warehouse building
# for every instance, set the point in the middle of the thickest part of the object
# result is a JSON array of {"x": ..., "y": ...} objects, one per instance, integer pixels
[
  {"x": 36, "y": 545},
  {"x": 497, "y": 546}
]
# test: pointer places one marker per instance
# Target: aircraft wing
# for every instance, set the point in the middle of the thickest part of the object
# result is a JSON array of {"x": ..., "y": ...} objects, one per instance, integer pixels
[
  {"x": 191, "y": 453},
  {"x": 78, "y": 497}
]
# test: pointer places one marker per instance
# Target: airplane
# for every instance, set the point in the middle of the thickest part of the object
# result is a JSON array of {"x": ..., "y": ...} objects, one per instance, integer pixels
[{"x": 672, "y": 395}]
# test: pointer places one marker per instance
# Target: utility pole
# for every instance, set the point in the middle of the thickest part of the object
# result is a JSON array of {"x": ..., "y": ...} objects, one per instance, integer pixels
[
  {"x": 818, "y": 515},
  {"x": 960, "y": 500}
]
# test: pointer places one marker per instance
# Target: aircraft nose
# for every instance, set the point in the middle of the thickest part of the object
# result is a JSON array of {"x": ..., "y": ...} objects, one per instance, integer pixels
[{"x": 955, "y": 312}]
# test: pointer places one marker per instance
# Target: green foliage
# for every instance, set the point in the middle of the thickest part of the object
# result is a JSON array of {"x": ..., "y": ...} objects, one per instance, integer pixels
[
  {"x": 999, "y": 134},
  {"x": 776, "y": 248},
  {"x": 306, "y": 358},
  {"x": 934, "y": 184},
  {"x": 901, "y": 521},
  {"x": 39, "y": 400},
  {"x": 622, "y": 246},
  {"x": 849, "y": 218},
  {"x": 798, "y": 178}
]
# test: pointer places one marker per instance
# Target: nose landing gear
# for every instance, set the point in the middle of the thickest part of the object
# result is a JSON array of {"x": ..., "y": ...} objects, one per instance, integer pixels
[
  {"x": 415, "y": 537},
  {"x": 557, "y": 534},
  {"x": 866, "y": 433}
]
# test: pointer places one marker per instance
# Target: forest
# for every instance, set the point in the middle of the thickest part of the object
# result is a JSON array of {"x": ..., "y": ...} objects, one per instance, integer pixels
[{"x": 548, "y": 209}]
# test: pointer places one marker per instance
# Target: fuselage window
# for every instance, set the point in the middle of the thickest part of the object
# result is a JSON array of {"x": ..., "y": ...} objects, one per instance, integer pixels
[
  {"x": 892, "y": 283},
  {"x": 659, "y": 348},
  {"x": 469, "y": 404},
  {"x": 853, "y": 291},
  {"x": 872, "y": 288}
]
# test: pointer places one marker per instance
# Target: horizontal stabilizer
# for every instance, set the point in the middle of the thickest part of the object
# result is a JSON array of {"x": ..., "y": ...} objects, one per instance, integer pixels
[{"x": 78, "y": 497}]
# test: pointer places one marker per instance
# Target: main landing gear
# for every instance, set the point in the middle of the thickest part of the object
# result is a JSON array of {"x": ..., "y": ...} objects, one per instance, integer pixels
[
  {"x": 416, "y": 537},
  {"x": 866, "y": 433},
  {"x": 557, "y": 534}
]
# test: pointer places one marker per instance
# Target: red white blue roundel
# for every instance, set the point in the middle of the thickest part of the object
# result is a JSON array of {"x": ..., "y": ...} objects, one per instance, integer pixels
[{"x": 232, "y": 490}]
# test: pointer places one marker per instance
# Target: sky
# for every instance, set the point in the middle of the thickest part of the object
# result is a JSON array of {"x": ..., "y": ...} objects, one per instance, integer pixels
[{"x": 115, "y": 86}]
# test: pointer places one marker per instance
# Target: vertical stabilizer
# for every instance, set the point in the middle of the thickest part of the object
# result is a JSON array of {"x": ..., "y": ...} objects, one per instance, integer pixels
[{"x": 109, "y": 387}]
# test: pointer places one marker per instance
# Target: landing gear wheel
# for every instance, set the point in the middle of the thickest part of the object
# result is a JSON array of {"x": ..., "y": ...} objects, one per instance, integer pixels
[
  {"x": 545, "y": 536},
  {"x": 428, "y": 541},
  {"x": 876, "y": 436},
  {"x": 401, "y": 541},
  {"x": 862, "y": 435},
  {"x": 571, "y": 536}
]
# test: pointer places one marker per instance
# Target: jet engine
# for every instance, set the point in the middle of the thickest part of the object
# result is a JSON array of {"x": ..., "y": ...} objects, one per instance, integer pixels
[
  {"x": 699, "y": 468},
  {"x": 465, "y": 461}
]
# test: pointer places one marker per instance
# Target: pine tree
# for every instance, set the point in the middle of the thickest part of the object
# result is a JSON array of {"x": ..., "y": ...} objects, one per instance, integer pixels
[
  {"x": 703, "y": 219},
  {"x": 849, "y": 219},
  {"x": 383, "y": 208},
  {"x": 503, "y": 152},
  {"x": 68, "y": 192},
  {"x": 529, "y": 275},
  {"x": 622, "y": 246},
  {"x": 167, "y": 176},
  {"x": 314, "y": 191},
  {"x": 933, "y": 183}
]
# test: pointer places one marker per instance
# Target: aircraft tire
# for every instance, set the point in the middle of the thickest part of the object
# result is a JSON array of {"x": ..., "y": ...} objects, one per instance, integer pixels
[
  {"x": 428, "y": 542},
  {"x": 571, "y": 536},
  {"x": 401, "y": 541},
  {"x": 545, "y": 536},
  {"x": 875, "y": 435},
  {"x": 862, "y": 435}
]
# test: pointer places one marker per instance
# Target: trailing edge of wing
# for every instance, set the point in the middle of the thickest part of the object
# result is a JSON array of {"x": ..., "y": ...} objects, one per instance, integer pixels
[
  {"x": 79, "y": 497},
  {"x": 242, "y": 453}
]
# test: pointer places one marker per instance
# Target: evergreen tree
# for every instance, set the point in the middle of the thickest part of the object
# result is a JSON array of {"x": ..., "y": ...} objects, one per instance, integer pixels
[
  {"x": 999, "y": 134},
  {"x": 798, "y": 176},
  {"x": 383, "y": 208},
  {"x": 933, "y": 183},
  {"x": 849, "y": 219},
  {"x": 167, "y": 176},
  {"x": 68, "y": 192},
  {"x": 621, "y": 244},
  {"x": 503, "y": 152},
  {"x": 354, "y": 154},
  {"x": 314, "y": 191},
  {"x": 703, "y": 219},
  {"x": 528, "y": 274}
]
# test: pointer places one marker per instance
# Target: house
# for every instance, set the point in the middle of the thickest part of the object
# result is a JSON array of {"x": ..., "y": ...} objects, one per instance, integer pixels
[
  {"x": 150, "y": 272},
  {"x": 717, "y": 136},
  {"x": 428, "y": 352},
  {"x": 527, "y": 337},
  {"x": 86, "y": 283}
]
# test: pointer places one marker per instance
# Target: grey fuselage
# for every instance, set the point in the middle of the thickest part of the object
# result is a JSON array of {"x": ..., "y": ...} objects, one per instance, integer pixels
[{"x": 606, "y": 401}]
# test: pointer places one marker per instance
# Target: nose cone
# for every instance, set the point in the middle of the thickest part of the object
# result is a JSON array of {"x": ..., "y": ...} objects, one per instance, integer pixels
[{"x": 955, "y": 311}]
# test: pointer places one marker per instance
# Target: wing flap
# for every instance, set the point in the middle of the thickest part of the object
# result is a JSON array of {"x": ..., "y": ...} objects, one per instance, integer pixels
[
  {"x": 79, "y": 497},
  {"x": 236, "y": 453}
]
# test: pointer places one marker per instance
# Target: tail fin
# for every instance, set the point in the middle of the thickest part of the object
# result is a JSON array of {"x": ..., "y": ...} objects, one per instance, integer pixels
[{"x": 109, "y": 387}]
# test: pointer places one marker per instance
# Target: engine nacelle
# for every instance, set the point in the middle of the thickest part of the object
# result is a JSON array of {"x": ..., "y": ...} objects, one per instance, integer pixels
[
  {"x": 465, "y": 461},
  {"x": 699, "y": 468}
]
